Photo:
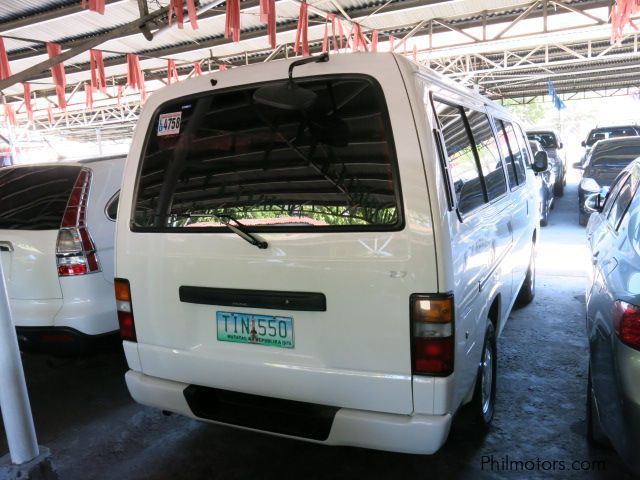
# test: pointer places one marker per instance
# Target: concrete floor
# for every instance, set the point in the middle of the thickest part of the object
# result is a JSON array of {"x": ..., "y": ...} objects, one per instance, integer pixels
[{"x": 84, "y": 414}]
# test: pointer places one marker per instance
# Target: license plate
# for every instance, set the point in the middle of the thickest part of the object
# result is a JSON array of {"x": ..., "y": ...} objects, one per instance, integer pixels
[{"x": 256, "y": 329}]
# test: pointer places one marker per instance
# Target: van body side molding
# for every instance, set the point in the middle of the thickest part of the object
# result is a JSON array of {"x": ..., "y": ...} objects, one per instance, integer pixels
[{"x": 269, "y": 299}]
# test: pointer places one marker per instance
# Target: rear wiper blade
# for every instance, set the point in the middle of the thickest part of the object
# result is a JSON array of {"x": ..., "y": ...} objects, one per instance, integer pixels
[{"x": 238, "y": 229}]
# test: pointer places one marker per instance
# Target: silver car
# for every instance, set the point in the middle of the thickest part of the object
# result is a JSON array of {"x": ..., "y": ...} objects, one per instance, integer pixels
[{"x": 613, "y": 317}]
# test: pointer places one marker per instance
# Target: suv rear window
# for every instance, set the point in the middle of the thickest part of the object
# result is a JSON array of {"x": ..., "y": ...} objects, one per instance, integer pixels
[
  {"x": 546, "y": 139},
  {"x": 223, "y": 154},
  {"x": 35, "y": 198},
  {"x": 611, "y": 132}
]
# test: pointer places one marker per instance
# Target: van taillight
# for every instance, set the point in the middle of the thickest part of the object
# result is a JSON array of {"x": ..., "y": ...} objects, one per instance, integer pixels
[
  {"x": 75, "y": 250},
  {"x": 125, "y": 311},
  {"x": 432, "y": 334},
  {"x": 626, "y": 322}
]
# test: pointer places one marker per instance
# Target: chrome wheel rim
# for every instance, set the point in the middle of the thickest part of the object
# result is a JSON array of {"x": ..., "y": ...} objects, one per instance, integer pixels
[{"x": 487, "y": 379}]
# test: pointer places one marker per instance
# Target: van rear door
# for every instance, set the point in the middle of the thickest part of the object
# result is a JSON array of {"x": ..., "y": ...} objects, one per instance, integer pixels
[
  {"x": 32, "y": 202},
  {"x": 320, "y": 315}
]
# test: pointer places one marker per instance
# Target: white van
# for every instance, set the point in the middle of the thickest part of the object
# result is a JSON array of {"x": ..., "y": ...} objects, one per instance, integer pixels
[
  {"x": 320, "y": 258},
  {"x": 57, "y": 228}
]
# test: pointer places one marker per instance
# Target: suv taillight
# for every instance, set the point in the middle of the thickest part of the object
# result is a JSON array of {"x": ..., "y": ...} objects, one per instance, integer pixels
[
  {"x": 125, "y": 311},
  {"x": 432, "y": 334},
  {"x": 75, "y": 250},
  {"x": 626, "y": 322}
]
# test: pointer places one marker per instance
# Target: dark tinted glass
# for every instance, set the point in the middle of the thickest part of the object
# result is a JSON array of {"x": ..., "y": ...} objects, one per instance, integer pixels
[
  {"x": 223, "y": 154},
  {"x": 35, "y": 198},
  {"x": 610, "y": 199},
  {"x": 464, "y": 170},
  {"x": 605, "y": 133},
  {"x": 622, "y": 201},
  {"x": 488, "y": 154},
  {"x": 517, "y": 152},
  {"x": 526, "y": 157},
  {"x": 546, "y": 139}
]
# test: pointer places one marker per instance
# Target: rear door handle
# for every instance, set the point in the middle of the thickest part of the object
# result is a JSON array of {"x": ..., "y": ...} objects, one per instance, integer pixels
[
  {"x": 594, "y": 257},
  {"x": 6, "y": 246}
]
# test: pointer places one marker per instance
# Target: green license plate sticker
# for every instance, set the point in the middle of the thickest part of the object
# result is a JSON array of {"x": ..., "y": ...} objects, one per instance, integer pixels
[{"x": 256, "y": 329}]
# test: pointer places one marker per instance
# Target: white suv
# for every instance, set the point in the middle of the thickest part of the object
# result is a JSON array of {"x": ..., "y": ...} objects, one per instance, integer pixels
[
  {"x": 57, "y": 225},
  {"x": 329, "y": 257}
]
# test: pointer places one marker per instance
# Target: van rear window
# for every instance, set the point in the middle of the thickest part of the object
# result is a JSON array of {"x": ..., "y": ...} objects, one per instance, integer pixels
[
  {"x": 224, "y": 155},
  {"x": 35, "y": 198}
]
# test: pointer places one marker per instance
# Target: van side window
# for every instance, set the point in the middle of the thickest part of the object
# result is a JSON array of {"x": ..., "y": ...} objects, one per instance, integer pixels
[
  {"x": 612, "y": 195},
  {"x": 515, "y": 164},
  {"x": 488, "y": 154},
  {"x": 522, "y": 140},
  {"x": 464, "y": 169}
]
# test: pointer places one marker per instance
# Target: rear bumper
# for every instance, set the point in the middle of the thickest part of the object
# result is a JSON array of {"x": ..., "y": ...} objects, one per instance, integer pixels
[
  {"x": 89, "y": 316},
  {"x": 417, "y": 434},
  {"x": 64, "y": 340}
]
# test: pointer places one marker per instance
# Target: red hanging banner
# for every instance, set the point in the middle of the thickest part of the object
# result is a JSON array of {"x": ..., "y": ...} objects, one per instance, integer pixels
[
  {"x": 302, "y": 32},
  {"x": 415, "y": 53},
  {"x": 96, "y": 65},
  {"x": 88, "y": 96},
  {"x": 232, "y": 20},
  {"x": 94, "y": 6},
  {"x": 10, "y": 115},
  {"x": 57, "y": 72},
  {"x": 264, "y": 11},
  {"x": 5, "y": 70},
  {"x": 172, "y": 72},
  {"x": 374, "y": 41},
  {"x": 119, "y": 95},
  {"x": 176, "y": 8},
  {"x": 27, "y": 101},
  {"x": 197, "y": 69},
  {"x": 359, "y": 42},
  {"x": 271, "y": 23},
  {"x": 331, "y": 18},
  {"x": 222, "y": 67},
  {"x": 135, "y": 79},
  {"x": 193, "y": 14},
  {"x": 621, "y": 14},
  {"x": 392, "y": 40}
]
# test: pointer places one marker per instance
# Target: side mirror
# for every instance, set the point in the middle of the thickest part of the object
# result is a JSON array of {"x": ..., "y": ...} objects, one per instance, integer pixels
[
  {"x": 592, "y": 203},
  {"x": 578, "y": 166},
  {"x": 540, "y": 162},
  {"x": 584, "y": 144}
]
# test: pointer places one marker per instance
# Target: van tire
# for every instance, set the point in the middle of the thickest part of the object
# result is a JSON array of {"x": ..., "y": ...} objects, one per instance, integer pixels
[
  {"x": 595, "y": 433},
  {"x": 528, "y": 289},
  {"x": 484, "y": 396}
]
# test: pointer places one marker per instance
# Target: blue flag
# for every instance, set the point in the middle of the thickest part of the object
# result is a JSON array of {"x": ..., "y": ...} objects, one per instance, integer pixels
[{"x": 557, "y": 101}]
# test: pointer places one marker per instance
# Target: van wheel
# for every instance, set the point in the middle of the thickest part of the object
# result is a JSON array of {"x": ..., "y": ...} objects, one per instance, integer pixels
[
  {"x": 595, "y": 433},
  {"x": 528, "y": 289},
  {"x": 484, "y": 395}
]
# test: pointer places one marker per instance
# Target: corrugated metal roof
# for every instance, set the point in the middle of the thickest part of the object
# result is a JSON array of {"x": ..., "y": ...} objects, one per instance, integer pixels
[{"x": 12, "y": 9}]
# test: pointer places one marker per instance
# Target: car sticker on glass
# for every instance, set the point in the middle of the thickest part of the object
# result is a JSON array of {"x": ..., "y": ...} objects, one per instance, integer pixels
[{"x": 169, "y": 123}]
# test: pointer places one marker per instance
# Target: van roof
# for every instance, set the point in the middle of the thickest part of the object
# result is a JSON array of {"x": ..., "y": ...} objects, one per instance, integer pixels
[{"x": 254, "y": 73}]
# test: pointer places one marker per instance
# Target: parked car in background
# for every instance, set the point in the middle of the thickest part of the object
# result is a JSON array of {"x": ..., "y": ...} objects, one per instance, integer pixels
[
  {"x": 605, "y": 133},
  {"x": 57, "y": 224},
  {"x": 329, "y": 258},
  {"x": 552, "y": 144},
  {"x": 613, "y": 317},
  {"x": 547, "y": 185},
  {"x": 606, "y": 159}
]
